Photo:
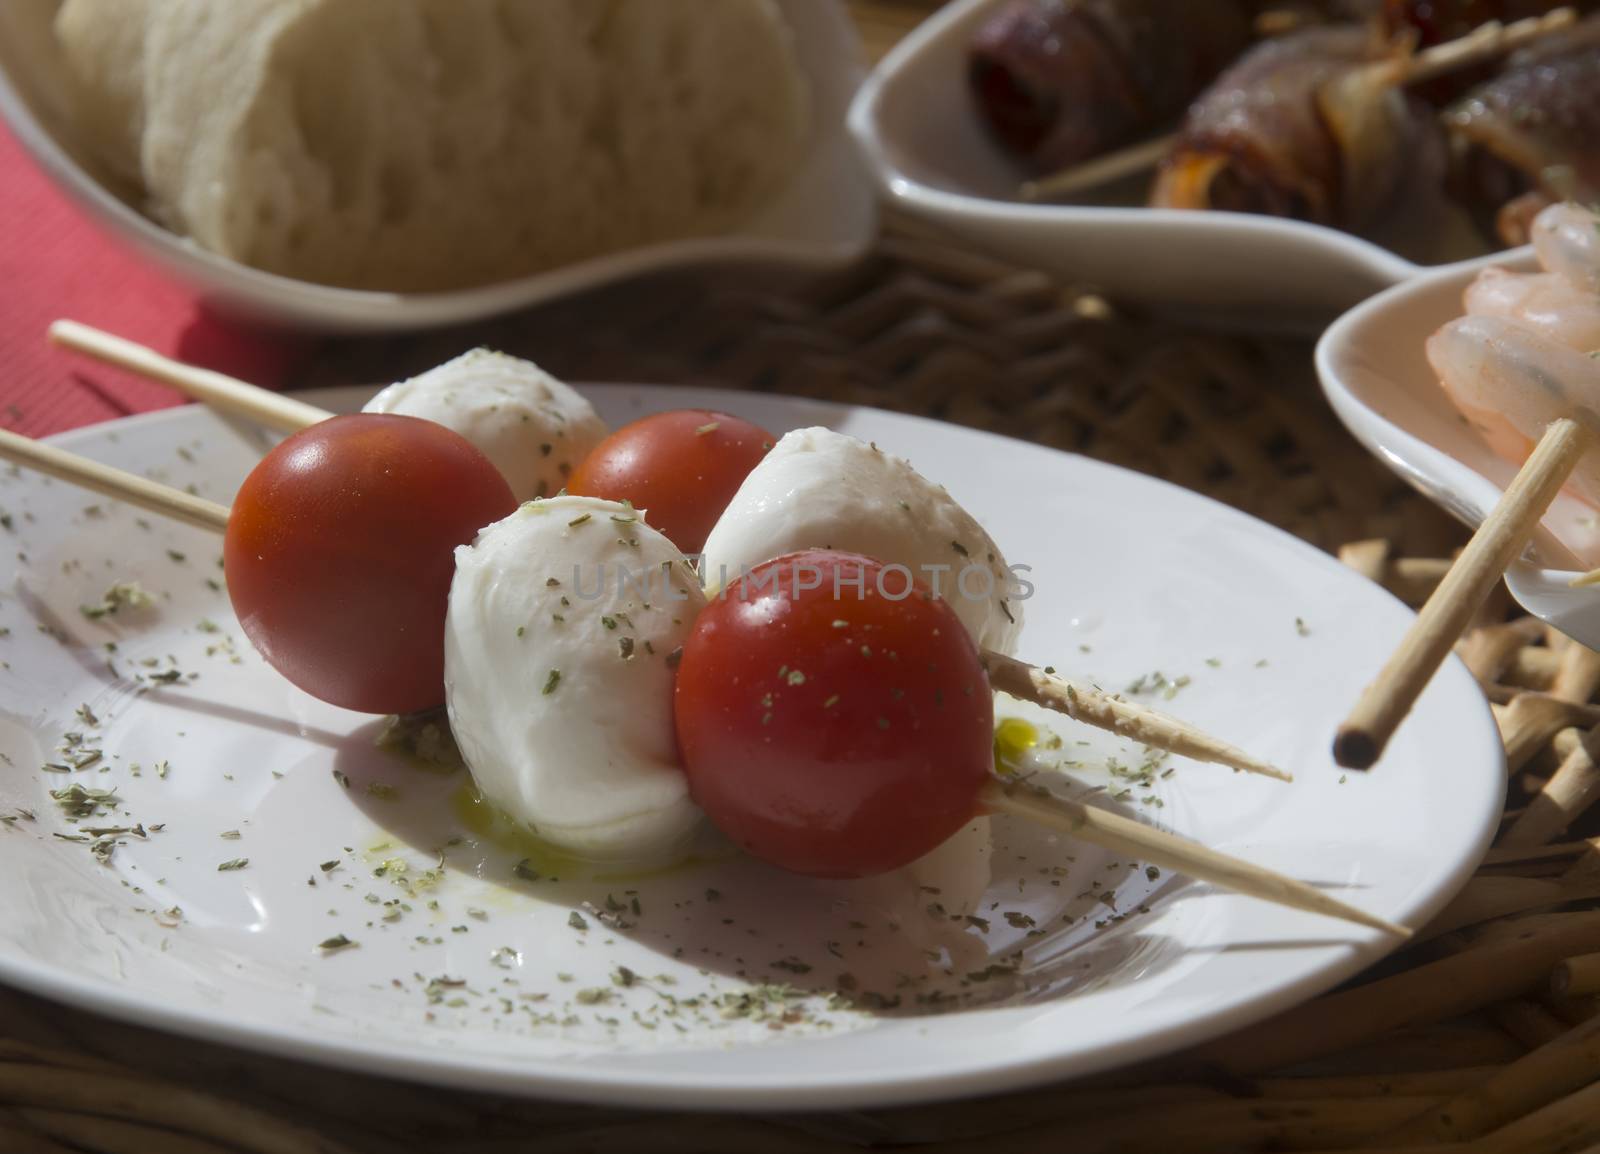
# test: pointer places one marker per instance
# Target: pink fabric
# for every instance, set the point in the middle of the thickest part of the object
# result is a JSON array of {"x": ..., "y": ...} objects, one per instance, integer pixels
[{"x": 55, "y": 263}]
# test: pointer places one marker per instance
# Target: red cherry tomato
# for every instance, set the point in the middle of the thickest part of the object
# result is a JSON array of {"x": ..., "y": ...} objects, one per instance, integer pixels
[
  {"x": 681, "y": 467},
  {"x": 340, "y": 549},
  {"x": 833, "y": 736}
]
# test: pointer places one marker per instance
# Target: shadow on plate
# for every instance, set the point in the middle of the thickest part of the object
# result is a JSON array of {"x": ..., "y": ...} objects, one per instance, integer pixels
[{"x": 991, "y": 918}]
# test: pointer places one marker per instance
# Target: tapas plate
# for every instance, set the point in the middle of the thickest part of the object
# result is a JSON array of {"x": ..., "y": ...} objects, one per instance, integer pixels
[
  {"x": 265, "y": 875},
  {"x": 915, "y": 124}
]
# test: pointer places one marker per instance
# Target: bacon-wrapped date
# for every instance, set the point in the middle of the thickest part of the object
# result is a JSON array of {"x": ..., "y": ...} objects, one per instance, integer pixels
[
  {"x": 1060, "y": 81},
  {"x": 1294, "y": 129},
  {"x": 1531, "y": 135}
]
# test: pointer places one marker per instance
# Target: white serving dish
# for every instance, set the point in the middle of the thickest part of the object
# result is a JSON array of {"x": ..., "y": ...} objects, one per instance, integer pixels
[
  {"x": 1375, "y": 373},
  {"x": 915, "y": 124},
  {"x": 1264, "y": 625},
  {"x": 826, "y": 216}
]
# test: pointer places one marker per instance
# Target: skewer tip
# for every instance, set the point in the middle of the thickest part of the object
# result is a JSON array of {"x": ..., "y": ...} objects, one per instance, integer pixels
[
  {"x": 1394, "y": 929},
  {"x": 1355, "y": 748}
]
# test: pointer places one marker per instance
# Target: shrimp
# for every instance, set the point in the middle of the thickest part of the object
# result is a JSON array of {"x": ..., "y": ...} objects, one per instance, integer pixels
[
  {"x": 1567, "y": 239},
  {"x": 1510, "y": 383},
  {"x": 1544, "y": 302}
]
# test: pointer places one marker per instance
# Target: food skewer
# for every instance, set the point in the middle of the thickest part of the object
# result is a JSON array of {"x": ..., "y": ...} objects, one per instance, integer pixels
[
  {"x": 1105, "y": 711},
  {"x": 1435, "y": 21},
  {"x": 218, "y": 390},
  {"x": 1082, "y": 703},
  {"x": 1519, "y": 369},
  {"x": 161, "y": 499},
  {"x": 1058, "y": 84},
  {"x": 1523, "y": 138},
  {"x": 811, "y": 749},
  {"x": 1484, "y": 42},
  {"x": 532, "y": 427},
  {"x": 1101, "y": 170},
  {"x": 314, "y": 587},
  {"x": 1307, "y": 127},
  {"x": 1108, "y": 830},
  {"x": 1149, "y": 844},
  {"x": 1487, "y": 40},
  {"x": 819, "y": 486},
  {"x": 1385, "y": 703}
]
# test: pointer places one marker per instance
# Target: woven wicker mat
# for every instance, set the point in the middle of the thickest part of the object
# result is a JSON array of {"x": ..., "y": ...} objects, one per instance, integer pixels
[{"x": 1459, "y": 1036}]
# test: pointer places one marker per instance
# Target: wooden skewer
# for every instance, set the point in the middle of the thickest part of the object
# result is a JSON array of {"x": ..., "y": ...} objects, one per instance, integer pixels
[
  {"x": 1482, "y": 43},
  {"x": 215, "y": 389},
  {"x": 1503, "y": 534},
  {"x": 1104, "y": 711},
  {"x": 1020, "y": 680},
  {"x": 1104, "y": 169},
  {"x": 113, "y": 482},
  {"x": 1485, "y": 42},
  {"x": 1126, "y": 836},
  {"x": 1119, "y": 833}
]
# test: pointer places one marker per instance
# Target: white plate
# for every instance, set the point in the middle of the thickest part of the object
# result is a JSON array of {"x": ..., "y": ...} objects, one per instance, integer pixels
[
  {"x": 1376, "y": 374},
  {"x": 825, "y": 217},
  {"x": 1132, "y": 575},
  {"x": 915, "y": 123}
]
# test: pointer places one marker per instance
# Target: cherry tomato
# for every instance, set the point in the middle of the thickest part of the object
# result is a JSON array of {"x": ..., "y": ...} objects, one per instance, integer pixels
[
  {"x": 340, "y": 549},
  {"x": 682, "y": 468},
  {"x": 838, "y": 736}
]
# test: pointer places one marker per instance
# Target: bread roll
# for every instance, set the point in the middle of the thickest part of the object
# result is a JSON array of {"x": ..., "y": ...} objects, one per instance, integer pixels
[
  {"x": 103, "y": 45},
  {"x": 418, "y": 145}
]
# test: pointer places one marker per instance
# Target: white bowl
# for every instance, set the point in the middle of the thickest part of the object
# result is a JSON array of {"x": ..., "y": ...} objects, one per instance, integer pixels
[
  {"x": 1375, "y": 373},
  {"x": 826, "y": 216},
  {"x": 915, "y": 124}
]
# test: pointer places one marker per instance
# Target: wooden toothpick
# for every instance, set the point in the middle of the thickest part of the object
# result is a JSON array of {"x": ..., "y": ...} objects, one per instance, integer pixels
[{"x": 1384, "y": 704}]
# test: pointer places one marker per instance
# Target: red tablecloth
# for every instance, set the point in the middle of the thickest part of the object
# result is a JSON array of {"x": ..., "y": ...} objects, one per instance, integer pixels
[{"x": 55, "y": 263}]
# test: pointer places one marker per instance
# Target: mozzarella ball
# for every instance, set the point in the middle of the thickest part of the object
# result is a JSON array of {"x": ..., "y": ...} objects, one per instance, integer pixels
[
  {"x": 563, "y": 618},
  {"x": 818, "y": 489},
  {"x": 533, "y": 428}
]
